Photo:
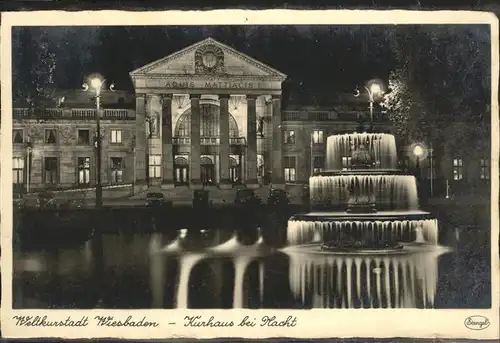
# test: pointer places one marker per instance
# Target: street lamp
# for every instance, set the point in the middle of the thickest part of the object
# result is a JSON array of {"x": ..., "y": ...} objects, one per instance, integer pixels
[
  {"x": 96, "y": 83},
  {"x": 431, "y": 165},
  {"x": 373, "y": 89},
  {"x": 419, "y": 151}
]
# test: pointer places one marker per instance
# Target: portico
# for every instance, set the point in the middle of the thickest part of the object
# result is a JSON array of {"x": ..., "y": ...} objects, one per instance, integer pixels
[{"x": 208, "y": 115}]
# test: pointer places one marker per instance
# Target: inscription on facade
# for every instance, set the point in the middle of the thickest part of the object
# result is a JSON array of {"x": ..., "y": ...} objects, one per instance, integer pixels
[{"x": 211, "y": 84}]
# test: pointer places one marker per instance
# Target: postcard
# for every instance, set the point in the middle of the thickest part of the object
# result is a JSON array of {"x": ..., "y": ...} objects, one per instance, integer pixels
[{"x": 250, "y": 174}]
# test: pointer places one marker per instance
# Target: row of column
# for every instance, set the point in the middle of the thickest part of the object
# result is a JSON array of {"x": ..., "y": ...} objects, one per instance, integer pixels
[{"x": 276, "y": 155}]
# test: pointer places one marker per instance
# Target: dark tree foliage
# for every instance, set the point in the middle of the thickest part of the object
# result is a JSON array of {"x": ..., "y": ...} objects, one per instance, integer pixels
[
  {"x": 440, "y": 88},
  {"x": 33, "y": 68}
]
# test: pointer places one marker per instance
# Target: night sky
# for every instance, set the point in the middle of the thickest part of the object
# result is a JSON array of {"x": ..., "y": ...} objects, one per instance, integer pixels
[{"x": 319, "y": 60}]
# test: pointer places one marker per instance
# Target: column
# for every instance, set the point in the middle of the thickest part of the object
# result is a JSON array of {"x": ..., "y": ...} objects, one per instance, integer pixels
[
  {"x": 251, "y": 158},
  {"x": 166, "y": 135},
  {"x": 194, "y": 160},
  {"x": 268, "y": 141},
  {"x": 224, "y": 182},
  {"x": 277, "y": 176},
  {"x": 141, "y": 164}
]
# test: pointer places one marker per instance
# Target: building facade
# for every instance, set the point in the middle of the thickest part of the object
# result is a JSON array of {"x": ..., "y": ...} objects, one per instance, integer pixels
[{"x": 207, "y": 115}]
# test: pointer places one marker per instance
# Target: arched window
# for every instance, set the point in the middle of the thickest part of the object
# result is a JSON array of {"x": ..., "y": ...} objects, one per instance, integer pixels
[
  {"x": 181, "y": 171},
  {"x": 209, "y": 123},
  {"x": 207, "y": 171},
  {"x": 206, "y": 161},
  {"x": 181, "y": 161}
]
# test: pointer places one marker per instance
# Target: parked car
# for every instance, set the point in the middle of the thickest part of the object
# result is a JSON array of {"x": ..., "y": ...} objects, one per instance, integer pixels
[
  {"x": 154, "y": 199},
  {"x": 200, "y": 198},
  {"x": 73, "y": 203},
  {"x": 278, "y": 197},
  {"x": 18, "y": 202},
  {"x": 246, "y": 196},
  {"x": 46, "y": 199}
]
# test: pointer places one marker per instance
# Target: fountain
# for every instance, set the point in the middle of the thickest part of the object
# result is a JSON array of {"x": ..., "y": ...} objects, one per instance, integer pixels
[{"x": 362, "y": 203}]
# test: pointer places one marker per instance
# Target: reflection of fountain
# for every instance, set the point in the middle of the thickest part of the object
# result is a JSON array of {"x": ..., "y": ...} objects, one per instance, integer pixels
[
  {"x": 362, "y": 201},
  {"x": 176, "y": 244},
  {"x": 241, "y": 255},
  {"x": 398, "y": 280},
  {"x": 187, "y": 263}
]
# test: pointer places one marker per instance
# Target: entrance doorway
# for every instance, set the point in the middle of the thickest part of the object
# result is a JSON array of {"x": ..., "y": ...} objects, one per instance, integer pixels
[
  {"x": 207, "y": 171},
  {"x": 181, "y": 173},
  {"x": 234, "y": 171}
]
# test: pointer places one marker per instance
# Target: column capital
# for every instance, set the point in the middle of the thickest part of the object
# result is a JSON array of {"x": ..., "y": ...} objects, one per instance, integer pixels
[
  {"x": 224, "y": 96},
  {"x": 276, "y": 97},
  {"x": 166, "y": 96},
  {"x": 251, "y": 96},
  {"x": 195, "y": 96}
]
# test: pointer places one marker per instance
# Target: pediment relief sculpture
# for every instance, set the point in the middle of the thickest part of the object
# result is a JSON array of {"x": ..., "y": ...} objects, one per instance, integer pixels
[{"x": 209, "y": 59}]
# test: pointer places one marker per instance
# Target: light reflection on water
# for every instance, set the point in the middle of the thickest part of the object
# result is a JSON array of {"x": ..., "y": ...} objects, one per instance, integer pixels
[{"x": 169, "y": 273}]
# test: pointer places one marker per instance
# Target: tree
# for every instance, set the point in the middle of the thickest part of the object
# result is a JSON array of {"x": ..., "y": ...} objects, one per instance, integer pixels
[
  {"x": 34, "y": 69},
  {"x": 442, "y": 77}
]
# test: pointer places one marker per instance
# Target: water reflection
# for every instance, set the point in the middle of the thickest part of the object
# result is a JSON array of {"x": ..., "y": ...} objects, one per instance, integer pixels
[
  {"x": 404, "y": 280},
  {"x": 235, "y": 269},
  {"x": 238, "y": 254}
]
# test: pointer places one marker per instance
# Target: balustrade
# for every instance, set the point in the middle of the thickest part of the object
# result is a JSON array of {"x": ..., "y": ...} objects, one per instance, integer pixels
[
  {"x": 74, "y": 113},
  {"x": 209, "y": 140},
  {"x": 294, "y": 115}
]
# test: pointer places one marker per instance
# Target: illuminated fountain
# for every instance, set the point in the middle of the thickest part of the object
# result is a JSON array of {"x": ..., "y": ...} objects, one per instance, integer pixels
[{"x": 362, "y": 202}]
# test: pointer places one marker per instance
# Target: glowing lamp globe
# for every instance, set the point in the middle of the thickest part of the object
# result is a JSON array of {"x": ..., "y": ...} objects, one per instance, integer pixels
[
  {"x": 418, "y": 151},
  {"x": 375, "y": 88},
  {"x": 95, "y": 83}
]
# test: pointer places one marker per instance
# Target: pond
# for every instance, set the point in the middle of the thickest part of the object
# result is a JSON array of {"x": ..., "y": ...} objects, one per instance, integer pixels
[{"x": 244, "y": 265}]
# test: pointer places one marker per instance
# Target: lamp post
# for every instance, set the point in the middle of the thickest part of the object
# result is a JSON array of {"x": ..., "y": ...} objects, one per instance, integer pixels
[
  {"x": 431, "y": 165},
  {"x": 373, "y": 89},
  {"x": 418, "y": 151},
  {"x": 96, "y": 83}
]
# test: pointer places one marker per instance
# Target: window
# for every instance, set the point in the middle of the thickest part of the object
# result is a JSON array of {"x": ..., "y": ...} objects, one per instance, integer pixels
[
  {"x": 50, "y": 136},
  {"x": 458, "y": 169},
  {"x": 116, "y": 136},
  {"x": 83, "y": 170},
  {"x": 155, "y": 166},
  {"x": 317, "y": 137},
  {"x": 289, "y": 137},
  {"x": 346, "y": 163},
  {"x": 405, "y": 163},
  {"x": 17, "y": 136},
  {"x": 50, "y": 170},
  {"x": 116, "y": 170},
  {"x": 83, "y": 137},
  {"x": 289, "y": 163},
  {"x": 485, "y": 169},
  {"x": 18, "y": 170},
  {"x": 319, "y": 164}
]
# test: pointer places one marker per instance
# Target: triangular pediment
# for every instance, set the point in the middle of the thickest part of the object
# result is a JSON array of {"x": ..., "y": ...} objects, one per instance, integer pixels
[{"x": 208, "y": 57}]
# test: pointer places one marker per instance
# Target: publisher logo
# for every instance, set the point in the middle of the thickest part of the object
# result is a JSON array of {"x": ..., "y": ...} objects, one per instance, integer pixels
[{"x": 476, "y": 322}]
